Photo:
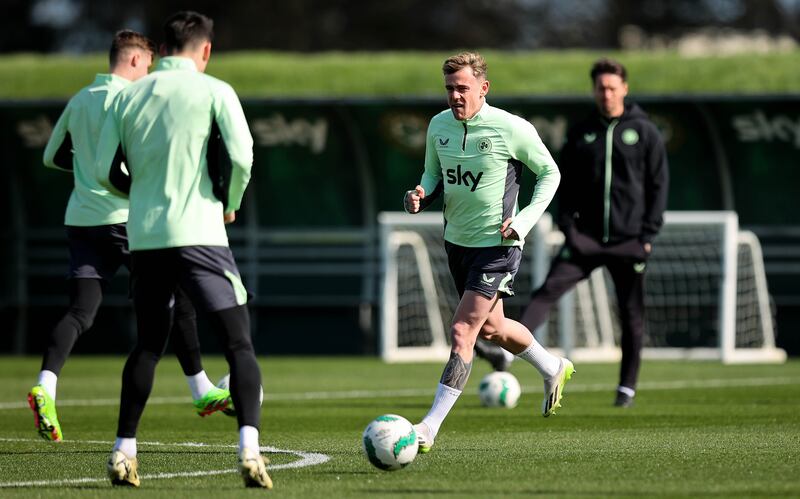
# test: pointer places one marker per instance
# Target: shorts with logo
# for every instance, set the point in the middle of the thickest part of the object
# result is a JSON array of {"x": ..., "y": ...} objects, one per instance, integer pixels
[
  {"x": 97, "y": 252},
  {"x": 487, "y": 271},
  {"x": 208, "y": 274}
]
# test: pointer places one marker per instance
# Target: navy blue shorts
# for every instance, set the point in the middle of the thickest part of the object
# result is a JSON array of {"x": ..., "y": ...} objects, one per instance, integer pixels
[
  {"x": 487, "y": 271},
  {"x": 208, "y": 274},
  {"x": 97, "y": 252}
]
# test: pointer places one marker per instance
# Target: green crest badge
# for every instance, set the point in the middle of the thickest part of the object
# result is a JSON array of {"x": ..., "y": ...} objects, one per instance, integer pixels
[
  {"x": 484, "y": 145},
  {"x": 630, "y": 136},
  {"x": 589, "y": 137},
  {"x": 639, "y": 267}
]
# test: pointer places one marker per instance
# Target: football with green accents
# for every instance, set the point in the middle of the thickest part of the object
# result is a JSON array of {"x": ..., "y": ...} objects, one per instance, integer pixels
[
  {"x": 499, "y": 389},
  {"x": 390, "y": 442}
]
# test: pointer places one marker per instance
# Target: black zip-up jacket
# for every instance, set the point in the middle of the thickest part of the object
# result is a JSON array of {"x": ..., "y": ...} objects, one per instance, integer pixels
[{"x": 618, "y": 194}]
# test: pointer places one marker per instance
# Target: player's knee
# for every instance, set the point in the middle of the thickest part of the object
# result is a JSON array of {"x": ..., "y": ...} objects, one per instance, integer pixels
[
  {"x": 462, "y": 335},
  {"x": 84, "y": 319},
  {"x": 489, "y": 332},
  {"x": 239, "y": 344}
]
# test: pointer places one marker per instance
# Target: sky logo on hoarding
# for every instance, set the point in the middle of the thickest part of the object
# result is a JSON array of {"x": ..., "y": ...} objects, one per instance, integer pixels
[{"x": 758, "y": 127}]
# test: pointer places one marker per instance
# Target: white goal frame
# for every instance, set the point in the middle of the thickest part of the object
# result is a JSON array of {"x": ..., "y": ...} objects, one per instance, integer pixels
[{"x": 600, "y": 346}]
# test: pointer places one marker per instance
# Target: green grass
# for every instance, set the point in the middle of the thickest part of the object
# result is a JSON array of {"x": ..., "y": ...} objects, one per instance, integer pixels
[
  {"x": 698, "y": 430},
  {"x": 394, "y": 74}
]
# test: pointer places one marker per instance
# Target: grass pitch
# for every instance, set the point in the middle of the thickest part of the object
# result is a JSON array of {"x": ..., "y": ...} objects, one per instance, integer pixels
[{"x": 698, "y": 429}]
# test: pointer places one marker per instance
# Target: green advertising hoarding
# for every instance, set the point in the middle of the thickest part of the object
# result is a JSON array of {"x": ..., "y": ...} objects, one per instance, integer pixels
[{"x": 306, "y": 235}]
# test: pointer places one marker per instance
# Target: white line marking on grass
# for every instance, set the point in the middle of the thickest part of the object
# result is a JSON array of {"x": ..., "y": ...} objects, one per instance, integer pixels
[
  {"x": 416, "y": 392},
  {"x": 306, "y": 459}
]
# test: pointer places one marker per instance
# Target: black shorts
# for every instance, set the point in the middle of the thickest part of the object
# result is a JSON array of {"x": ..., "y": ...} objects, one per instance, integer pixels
[
  {"x": 97, "y": 252},
  {"x": 208, "y": 274},
  {"x": 487, "y": 271}
]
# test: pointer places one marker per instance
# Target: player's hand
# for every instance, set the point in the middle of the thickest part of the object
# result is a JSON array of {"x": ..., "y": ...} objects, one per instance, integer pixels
[
  {"x": 412, "y": 199},
  {"x": 648, "y": 248},
  {"x": 507, "y": 232},
  {"x": 229, "y": 217}
]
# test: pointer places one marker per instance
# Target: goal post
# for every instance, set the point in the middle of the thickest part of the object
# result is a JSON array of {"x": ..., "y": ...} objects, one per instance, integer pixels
[
  {"x": 411, "y": 329},
  {"x": 706, "y": 293}
]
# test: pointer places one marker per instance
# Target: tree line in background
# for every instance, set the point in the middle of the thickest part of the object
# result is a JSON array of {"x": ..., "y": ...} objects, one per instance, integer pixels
[{"x": 364, "y": 25}]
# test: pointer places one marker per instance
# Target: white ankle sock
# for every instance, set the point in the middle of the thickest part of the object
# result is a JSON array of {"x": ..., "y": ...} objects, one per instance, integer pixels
[
  {"x": 443, "y": 401},
  {"x": 248, "y": 437},
  {"x": 630, "y": 392},
  {"x": 126, "y": 445},
  {"x": 546, "y": 363},
  {"x": 199, "y": 384},
  {"x": 48, "y": 380}
]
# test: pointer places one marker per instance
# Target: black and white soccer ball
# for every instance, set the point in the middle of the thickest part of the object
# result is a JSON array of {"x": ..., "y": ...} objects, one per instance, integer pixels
[{"x": 390, "y": 442}]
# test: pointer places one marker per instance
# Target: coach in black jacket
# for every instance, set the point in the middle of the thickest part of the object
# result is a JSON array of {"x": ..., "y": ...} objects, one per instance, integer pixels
[{"x": 613, "y": 193}]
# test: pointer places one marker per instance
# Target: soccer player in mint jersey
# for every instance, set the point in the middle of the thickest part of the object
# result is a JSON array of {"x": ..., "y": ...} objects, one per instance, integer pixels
[
  {"x": 474, "y": 156},
  {"x": 95, "y": 222},
  {"x": 611, "y": 201},
  {"x": 162, "y": 127}
]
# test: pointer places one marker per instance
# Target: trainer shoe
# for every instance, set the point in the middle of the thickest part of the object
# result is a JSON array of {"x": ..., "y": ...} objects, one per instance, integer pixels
[
  {"x": 424, "y": 438},
  {"x": 122, "y": 470},
  {"x": 253, "y": 467},
  {"x": 224, "y": 383},
  {"x": 553, "y": 388},
  {"x": 44, "y": 413},
  {"x": 216, "y": 399},
  {"x": 623, "y": 400}
]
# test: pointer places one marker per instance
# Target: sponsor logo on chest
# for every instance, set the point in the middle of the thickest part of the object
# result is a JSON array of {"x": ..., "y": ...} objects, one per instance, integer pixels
[{"x": 467, "y": 178}]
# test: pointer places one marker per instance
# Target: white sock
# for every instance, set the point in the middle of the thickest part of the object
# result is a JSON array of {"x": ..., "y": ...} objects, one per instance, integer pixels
[
  {"x": 546, "y": 363},
  {"x": 126, "y": 445},
  {"x": 48, "y": 380},
  {"x": 630, "y": 392},
  {"x": 443, "y": 401},
  {"x": 199, "y": 384},
  {"x": 248, "y": 437}
]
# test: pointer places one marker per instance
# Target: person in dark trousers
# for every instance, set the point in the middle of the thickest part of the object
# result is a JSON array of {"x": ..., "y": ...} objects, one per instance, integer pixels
[
  {"x": 95, "y": 222},
  {"x": 612, "y": 199},
  {"x": 163, "y": 127}
]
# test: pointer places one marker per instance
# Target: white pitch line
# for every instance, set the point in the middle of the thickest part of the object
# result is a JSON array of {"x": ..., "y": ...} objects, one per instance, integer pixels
[
  {"x": 307, "y": 459},
  {"x": 416, "y": 392}
]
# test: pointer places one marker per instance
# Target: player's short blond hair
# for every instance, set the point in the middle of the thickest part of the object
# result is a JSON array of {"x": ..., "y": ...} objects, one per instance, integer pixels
[{"x": 457, "y": 62}]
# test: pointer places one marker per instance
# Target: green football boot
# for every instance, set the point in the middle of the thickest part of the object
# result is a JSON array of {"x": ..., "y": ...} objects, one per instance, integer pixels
[
  {"x": 216, "y": 399},
  {"x": 44, "y": 413}
]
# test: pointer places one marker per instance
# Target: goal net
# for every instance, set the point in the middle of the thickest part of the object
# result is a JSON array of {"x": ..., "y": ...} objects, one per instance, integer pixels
[{"x": 706, "y": 293}]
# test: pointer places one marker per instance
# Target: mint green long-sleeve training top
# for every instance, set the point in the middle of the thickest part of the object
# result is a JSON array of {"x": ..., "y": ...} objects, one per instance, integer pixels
[
  {"x": 477, "y": 163},
  {"x": 78, "y": 128},
  {"x": 161, "y": 124}
]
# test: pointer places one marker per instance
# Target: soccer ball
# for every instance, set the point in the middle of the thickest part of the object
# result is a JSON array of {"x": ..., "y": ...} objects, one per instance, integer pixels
[
  {"x": 225, "y": 384},
  {"x": 390, "y": 442},
  {"x": 499, "y": 389}
]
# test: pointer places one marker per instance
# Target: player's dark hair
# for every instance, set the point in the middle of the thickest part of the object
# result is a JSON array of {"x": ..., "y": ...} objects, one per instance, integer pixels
[
  {"x": 608, "y": 66},
  {"x": 185, "y": 29},
  {"x": 126, "y": 40}
]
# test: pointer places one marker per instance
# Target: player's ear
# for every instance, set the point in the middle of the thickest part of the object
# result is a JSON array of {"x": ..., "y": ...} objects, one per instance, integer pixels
[
  {"x": 484, "y": 88},
  {"x": 206, "y": 51}
]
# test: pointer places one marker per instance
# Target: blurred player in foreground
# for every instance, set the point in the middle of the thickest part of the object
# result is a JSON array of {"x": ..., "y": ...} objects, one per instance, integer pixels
[
  {"x": 475, "y": 154},
  {"x": 611, "y": 202},
  {"x": 162, "y": 127},
  {"x": 98, "y": 244}
]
